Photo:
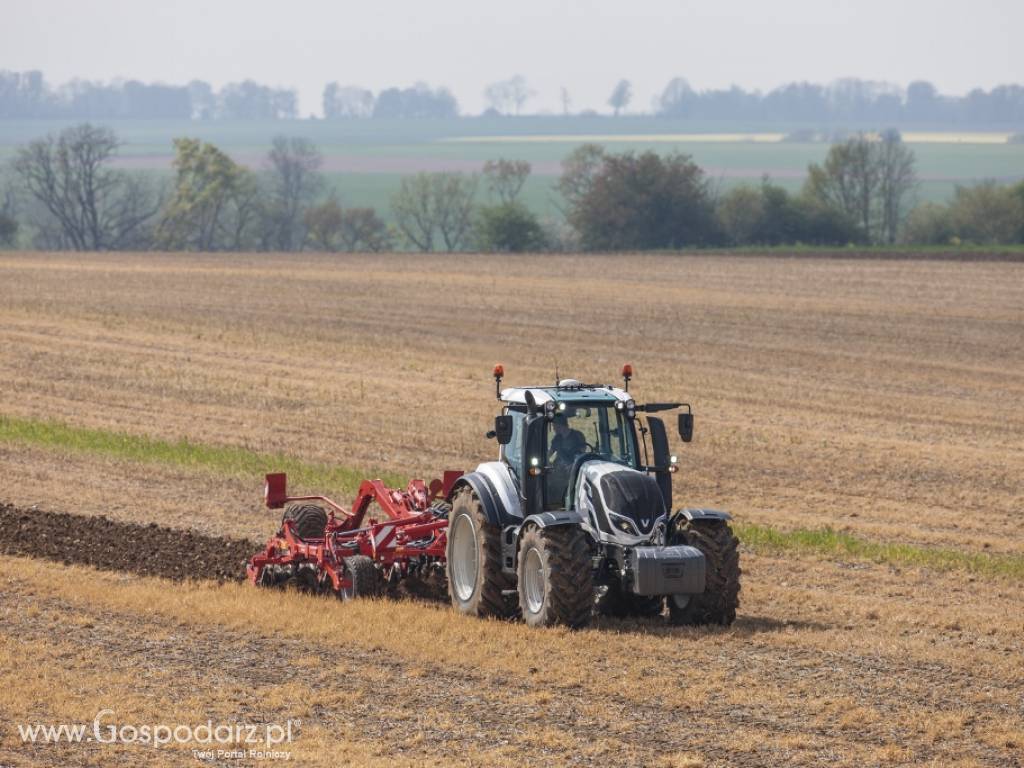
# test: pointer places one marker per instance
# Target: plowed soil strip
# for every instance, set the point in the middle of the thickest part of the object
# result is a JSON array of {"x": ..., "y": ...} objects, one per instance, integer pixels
[{"x": 148, "y": 550}]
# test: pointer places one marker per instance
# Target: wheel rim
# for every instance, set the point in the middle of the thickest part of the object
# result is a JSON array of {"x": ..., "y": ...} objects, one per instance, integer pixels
[
  {"x": 533, "y": 580},
  {"x": 680, "y": 601},
  {"x": 464, "y": 557}
]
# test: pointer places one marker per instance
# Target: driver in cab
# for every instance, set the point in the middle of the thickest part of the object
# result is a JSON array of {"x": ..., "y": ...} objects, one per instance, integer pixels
[{"x": 567, "y": 443}]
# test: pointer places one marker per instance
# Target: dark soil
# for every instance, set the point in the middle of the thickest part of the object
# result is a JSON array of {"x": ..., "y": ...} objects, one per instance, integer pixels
[{"x": 145, "y": 549}]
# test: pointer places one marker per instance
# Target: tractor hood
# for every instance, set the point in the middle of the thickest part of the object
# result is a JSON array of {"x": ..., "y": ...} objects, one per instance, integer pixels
[{"x": 621, "y": 504}]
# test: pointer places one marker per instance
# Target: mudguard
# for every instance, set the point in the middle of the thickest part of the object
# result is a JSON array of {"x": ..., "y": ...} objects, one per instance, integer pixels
[
  {"x": 550, "y": 519},
  {"x": 703, "y": 514},
  {"x": 485, "y": 492}
]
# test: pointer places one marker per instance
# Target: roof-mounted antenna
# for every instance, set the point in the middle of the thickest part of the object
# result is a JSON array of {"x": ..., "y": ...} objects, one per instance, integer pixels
[{"x": 557, "y": 379}]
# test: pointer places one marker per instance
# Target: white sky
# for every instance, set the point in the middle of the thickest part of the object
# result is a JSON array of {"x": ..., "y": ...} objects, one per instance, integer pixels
[{"x": 465, "y": 44}]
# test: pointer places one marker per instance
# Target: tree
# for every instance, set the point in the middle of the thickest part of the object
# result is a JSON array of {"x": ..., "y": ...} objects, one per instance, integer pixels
[
  {"x": 294, "y": 182},
  {"x": 644, "y": 201},
  {"x": 848, "y": 181},
  {"x": 508, "y": 228},
  {"x": 509, "y": 95},
  {"x": 435, "y": 206},
  {"x": 214, "y": 204},
  {"x": 740, "y": 214},
  {"x": 323, "y": 225},
  {"x": 347, "y": 101},
  {"x": 417, "y": 102},
  {"x": 566, "y": 101},
  {"x": 621, "y": 96},
  {"x": 578, "y": 171},
  {"x": 987, "y": 214},
  {"x": 869, "y": 180},
  {"x": 897, "y": 180},
  {"x": 505, "y": 178},
  {"x": 94, "y": 207},
  {"x": 363, "y": 230},
  {"x": 8, "y": 229}
]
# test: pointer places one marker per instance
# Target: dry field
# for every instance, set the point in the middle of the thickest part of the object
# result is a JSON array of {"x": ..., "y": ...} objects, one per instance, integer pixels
[{"x": 884, "y": 399}]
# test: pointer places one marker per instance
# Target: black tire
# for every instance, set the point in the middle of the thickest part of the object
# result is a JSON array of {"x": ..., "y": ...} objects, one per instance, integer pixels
[
  {"x": 621, "y": 604},
  {"x": 308, "y": 520},
  {"x": 555, "y": 577},
  {"x": 365, "y": 579},
  {"x": 479, "y": 588},
  {"x": 718, "y": 602}
]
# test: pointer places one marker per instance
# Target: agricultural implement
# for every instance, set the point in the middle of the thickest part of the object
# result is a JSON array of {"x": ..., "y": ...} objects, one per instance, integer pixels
[{"x": 574, "y": 518}]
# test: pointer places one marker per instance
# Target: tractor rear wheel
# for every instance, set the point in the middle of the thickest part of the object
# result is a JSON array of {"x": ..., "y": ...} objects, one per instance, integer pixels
[
  {"x": 363, "y": 578},
  {"x": 556, "y": 580},
  {"x": 308, "y": 520},
  {"x": 476, "y": 582},
  {"x": 718, "y": 602}
]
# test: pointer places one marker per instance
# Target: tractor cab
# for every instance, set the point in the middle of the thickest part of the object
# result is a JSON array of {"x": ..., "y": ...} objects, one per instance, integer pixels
[{"x": 548, "y": 434}]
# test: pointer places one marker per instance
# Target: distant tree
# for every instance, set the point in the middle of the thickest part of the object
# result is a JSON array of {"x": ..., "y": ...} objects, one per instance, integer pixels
[
  {"x": 347, "y": 101},
  {"x": 508, "y": 96},
  {"x": 363, "y": 230},
  {"x": 929, "y": 224},
  {"x": 505, "y": 178},
  {"x": 509, "y": 227},
  {"x": 621, "y": 96},
  {"x": 987, "y": 214},
  {"x": 8, "y": 229},
  {"x": 249, "y": 100},
  {"x": 323, "y": 225},
  {"x": 214, "y": 202},
  {"x": 769, "y": 215},
  {"x": 923, "y": 102},
  {"x": 869, "y": 180},
  {"x": 579, "y": 169},
  {"x": 417, "y": 102},
  {"x": 294, "y": 182},
  {"x": 741, "y": 214},
  {"x": 202, "y": 100},
  {"x": 644, "y": 201},
  {"x": 8, "y": 215},
  {"x": 93, "y": 206},
  {"x": 432, "y": 207},
  {"x": 897, "y": 181},
  {"x": 677, "y": 98}
]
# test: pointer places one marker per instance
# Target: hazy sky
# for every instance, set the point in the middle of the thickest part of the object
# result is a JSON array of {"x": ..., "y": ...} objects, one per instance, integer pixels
[{"x": 465, "y": 44}]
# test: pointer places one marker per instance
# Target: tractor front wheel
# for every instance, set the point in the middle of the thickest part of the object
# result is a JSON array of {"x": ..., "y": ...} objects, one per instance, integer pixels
[
  {"x": 476, "y": 582},
  {"x": 556, "y": 580},
  {"x": 721, "y": 596}
]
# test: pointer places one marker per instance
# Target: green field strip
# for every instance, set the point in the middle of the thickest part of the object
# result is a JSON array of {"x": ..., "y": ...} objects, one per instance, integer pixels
[
  {"x": 231, "y": 461},
  {"x": 243, "y": 463},
  {"x": 831, "y": 543}
]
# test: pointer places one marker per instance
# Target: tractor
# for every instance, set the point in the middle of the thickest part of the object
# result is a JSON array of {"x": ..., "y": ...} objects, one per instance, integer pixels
[{"x": 575, "y": 516}]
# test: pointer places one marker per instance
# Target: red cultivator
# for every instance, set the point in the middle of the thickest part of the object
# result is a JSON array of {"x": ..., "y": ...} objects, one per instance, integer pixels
[{"x": 320, "y": 551}]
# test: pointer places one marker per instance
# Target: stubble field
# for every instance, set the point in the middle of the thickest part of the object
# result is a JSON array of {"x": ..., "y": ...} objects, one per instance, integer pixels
[{"x": 879, "y": 399}]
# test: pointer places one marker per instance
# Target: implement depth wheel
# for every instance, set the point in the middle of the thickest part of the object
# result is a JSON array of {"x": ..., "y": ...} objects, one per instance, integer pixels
[
  {"x": 475, "y": 580},
  {"x": 362, "y": 576},
  {"x": 556, "y": 580}
]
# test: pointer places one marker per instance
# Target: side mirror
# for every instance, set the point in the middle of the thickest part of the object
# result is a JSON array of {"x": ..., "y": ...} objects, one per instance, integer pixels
[
  {"x": 503, "y": 429},
  {"x": 686, "y": 426}
]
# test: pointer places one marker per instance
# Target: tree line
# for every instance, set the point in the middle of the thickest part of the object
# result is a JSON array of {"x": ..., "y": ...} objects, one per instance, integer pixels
[
  {"x": 844, "y": 102},
  {"x": 64, "y": 194}
]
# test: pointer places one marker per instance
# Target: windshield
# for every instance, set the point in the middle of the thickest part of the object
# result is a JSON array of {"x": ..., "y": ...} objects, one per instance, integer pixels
[
  {"x": 599, "y": 429},
  {"x": 577, "y": 430}
]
